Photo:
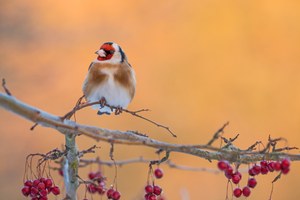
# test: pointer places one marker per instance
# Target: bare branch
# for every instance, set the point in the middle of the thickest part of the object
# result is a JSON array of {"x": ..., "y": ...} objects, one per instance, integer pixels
[{"x": 118, "y": 137}]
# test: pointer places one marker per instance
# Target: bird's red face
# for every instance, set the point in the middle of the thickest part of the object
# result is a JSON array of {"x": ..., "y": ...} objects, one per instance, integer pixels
[{"x": 105, "y": 52}]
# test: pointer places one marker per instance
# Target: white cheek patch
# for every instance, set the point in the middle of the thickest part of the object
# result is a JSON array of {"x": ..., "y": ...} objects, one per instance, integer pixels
[{"x": 101, "y": 53}]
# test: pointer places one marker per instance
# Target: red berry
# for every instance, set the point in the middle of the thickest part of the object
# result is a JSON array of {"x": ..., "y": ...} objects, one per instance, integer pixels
[
  {"x": 43, "y": 193},
  {"x": 42, "y": 179},
  {"x": 36, "y": 182},
  {"x": 100, "y": 189},
  {"x": 55, "y": 190},
  {"x": 41, "y": 186},
  {"x": 26, "y": 190},
  {"x": 223, "y": 164},
  {"x": 256, "y": 169},
  {"x": 48, "y": 183},
  {"x": 109, "y": 193},
  {"x": 148, "y": 189},
  {"x": 229, "y": 172},
  {"x": 151, "y": 197},
  {"x": 237, "y": 192},
  {"x": 34, "y": 191},
  {"x": 285, "y": 170},
  {"x": 263, "y": 163},
  {"x": 252, "y": 182},
  {"x": 236, "y": 178},
  {"x": 277, "y": 166},
  {"x": 43, "y": 198},
  {"x": 246, "y": 191},
  {"x": 146, "y": 196},
  {"x": 158, "y": 173},
  {"x": 92, "y": 175},
  {"x": 116, "y": 195},
  {"x": 251, "y": 172},
  {"x": 92, "y": 188},
  {"x": 239, "y": 174},
  {"x": 34, "y": 198},
  {"x": 61, "y": 172},
  {"x": 157, "y": 190},
  {"x": 28, "y": 183},
  {"x": 285, "y": 164},
  {"x": 271, "y": 166},
  {"x": 264, "y": 170}
]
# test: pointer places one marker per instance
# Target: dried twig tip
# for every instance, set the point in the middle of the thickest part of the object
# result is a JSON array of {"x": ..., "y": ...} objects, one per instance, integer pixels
[{"x": 5, "y": 88}]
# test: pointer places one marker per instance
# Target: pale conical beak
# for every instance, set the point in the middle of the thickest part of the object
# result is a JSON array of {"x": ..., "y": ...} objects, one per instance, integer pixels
[{"x": 101, "y": 53}]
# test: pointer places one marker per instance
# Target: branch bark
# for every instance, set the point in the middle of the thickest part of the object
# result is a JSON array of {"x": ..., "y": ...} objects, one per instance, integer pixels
[
  {"x": 70, "y": 127},
  {"x": 70, "y": 168}
]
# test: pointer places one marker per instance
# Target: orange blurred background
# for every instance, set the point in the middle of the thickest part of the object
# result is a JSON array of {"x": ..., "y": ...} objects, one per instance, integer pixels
[{"x": 198, "y": 65}]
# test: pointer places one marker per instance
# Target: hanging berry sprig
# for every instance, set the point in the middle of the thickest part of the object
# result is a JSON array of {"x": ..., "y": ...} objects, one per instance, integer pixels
[{"x": 38, "y": 183}]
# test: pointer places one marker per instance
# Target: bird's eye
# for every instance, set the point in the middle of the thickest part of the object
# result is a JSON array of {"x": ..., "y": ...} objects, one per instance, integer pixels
[{"x": 109, "y": 52}]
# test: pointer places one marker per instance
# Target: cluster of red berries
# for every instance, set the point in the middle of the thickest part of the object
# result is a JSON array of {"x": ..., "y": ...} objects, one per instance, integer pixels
[
  {"x": 40, "y": 188},
  {"x": 264, "y": 167},
  {"x": 113, "y": 194},
  {"x": 153, "y": 192},
  {"x": 99, "y": 183}
]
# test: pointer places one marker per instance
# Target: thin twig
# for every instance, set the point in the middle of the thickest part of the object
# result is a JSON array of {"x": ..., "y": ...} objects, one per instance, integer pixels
[
  {"x": 169, "y": 163},
  {"x": 217, "y": 134},
  {"x": 165, "y": 158},
  {"x": 149, "y": 120},
  {"x": 80, "y": 106},
  {"x": 89, "y": 150},
  {"x": 271, "y": 143},
  {"x": 252, "y": 147},
  {"x": 229, "y": 141},
  {"x": 285, "y": 149},
  {"x": 33, "y": 127},
  {"x": 5, "y": 88}
]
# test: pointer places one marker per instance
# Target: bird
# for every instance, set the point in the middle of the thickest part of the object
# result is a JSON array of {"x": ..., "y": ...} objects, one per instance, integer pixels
[{"x": 110, "y": 80}]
